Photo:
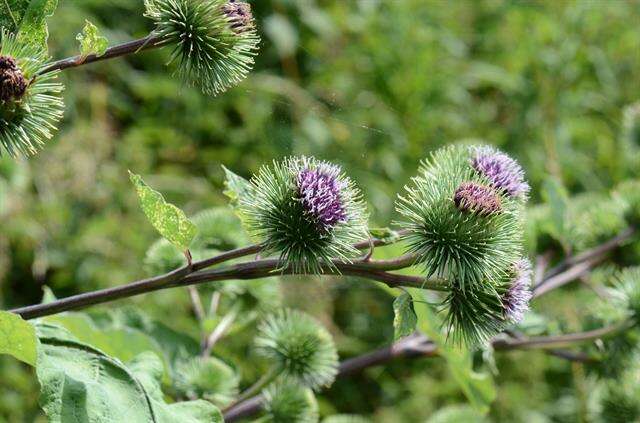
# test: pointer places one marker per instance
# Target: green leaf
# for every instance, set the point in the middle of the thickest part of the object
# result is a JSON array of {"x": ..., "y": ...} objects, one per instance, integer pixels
[
  {"x": 91, "y": 41},
  {"x": 385, "y": 234},
  {"x": 169, "y": 220},
  {"x": 27, "y": 18},
  {"x": 556, "y": 196},
  {"x": 17, "y": 338},
  {"x": 405, "y": 320},
  {"x": 235, "y": 186},
  {"x": 121, "y": 343},
  {"x": 81, "y": 384},
  {"x": 456, "y": 414},
  {"x": 477, "y": 387}
]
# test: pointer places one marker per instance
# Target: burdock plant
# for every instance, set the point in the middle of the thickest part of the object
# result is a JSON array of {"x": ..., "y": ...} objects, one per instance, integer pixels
[{"x": 307, "y": 211}]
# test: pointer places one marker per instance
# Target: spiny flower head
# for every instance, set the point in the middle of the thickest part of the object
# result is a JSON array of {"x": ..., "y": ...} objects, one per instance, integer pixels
[
  {"x": 319, "y": 191},
  {"x": 12, "y": 82},
  {"x": 503, "y": 172},
  {"x": 515, "y": 300},
  {"x": 474, "y": 249},
  {"x": 305, "y": 210},
  {"x": 300, "y": 348},
  {"x": 206, "y": 378},
  {"x": 215, "y": 40},
  {"x": 477, "y": 198},
  {"x": 30, "y": 102},
  {"x": 289, "y": 402}
]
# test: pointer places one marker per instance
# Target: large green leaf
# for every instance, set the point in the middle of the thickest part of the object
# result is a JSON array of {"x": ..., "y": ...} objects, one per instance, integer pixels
[
  {"x": 27, "y": 18},
  {"x": 168, "y": 219},
  {"x": 17, "y": 338},
  {"x": 91, "y": 40},
  {"x": 477, "y": 387},
  {"x": 121, "y": 343},
  {"x": 81, "y": 384},
  {"x": 404, "y": 321}
]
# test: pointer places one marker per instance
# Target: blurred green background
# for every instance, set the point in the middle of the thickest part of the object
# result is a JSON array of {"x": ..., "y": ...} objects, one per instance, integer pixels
[{"x": 373, "y": 85}]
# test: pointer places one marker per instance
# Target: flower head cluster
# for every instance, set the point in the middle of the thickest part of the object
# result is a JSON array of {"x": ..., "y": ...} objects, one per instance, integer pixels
[
  {"x": 462, "y": 216},
  {"x": 477, "y": 198},
  {"x": 503, "y": 172},
  {"x": 515, "y": 301},
  {"x": 300, "y": 348},
  {"x": 12, "y": 82},
  {"x": 30, "y": 107},
  {"x": 306, "y": 211},
  {"x": 215, "y": 40}
]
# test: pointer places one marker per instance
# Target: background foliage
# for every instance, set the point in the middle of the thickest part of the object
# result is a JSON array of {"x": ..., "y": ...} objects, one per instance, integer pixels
[{"x": 372, "y": 85}]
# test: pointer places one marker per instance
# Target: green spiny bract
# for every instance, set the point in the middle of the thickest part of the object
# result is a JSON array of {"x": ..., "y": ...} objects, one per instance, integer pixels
[
  {"x": 627, "y": 193},
  {"x": 207, "y": 378},
  {"x": 620, "y": 400},
  {"x": 282, "y": 213},
  {"x": 474, "y": 316},
  {"x": 214, "y": 40},
  {"x": 473, "y": 249},
  {"x": 594, "y": 218},
  {"x": 31, "y": 106},
  {"x": 301, "y": 349},
  {"x": 288, "y": 402},
  {"x": 627, "y": 286}
]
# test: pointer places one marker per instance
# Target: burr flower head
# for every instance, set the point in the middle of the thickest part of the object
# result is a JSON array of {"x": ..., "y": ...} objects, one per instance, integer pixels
[
  {"x": 288, "y": 402},
  {"x": 319, "y": 190},
  {"x": 515, "y": 301},
  {"x": 307, "y": 211},
  {"x": 29, "y": 111},
  {"x": 239, "y": 13},
  {"x": 503, "y": 172},
  {"x": 477, "y": 198},
  {"x": 12, "y": 82},
  {"x": 214, "y": 41},
  {"x": 299, "y": 347}
]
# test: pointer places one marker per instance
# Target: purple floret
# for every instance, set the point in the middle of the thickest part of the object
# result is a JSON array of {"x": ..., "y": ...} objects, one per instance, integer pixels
[
  {"x": 515, "y": 301},
  {"x": 319, "y": 189},
  {"x": 503, "y": 172},
  {"x": 477, "y": 198},
  {"x": 240, "y": 15}
]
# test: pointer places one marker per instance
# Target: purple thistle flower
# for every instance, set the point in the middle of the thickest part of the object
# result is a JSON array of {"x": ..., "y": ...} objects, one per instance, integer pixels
[
  {"x": 515, "y": 301},
  {"x": 239, "y": 13},
  {"x": 319, "y": 189},
  {"x": 503, "y": 171},
  {"x": 477, "y": 198}
]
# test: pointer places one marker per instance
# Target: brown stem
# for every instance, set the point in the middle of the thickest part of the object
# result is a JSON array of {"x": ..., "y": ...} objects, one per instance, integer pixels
[
  {"x": 193, "y": 274},
  {"x": 130, "y": 47}
]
